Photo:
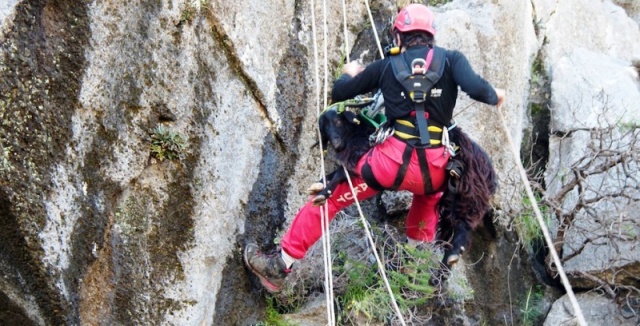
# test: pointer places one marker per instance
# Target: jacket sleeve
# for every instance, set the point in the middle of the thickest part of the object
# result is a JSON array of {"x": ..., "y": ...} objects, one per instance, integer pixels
[
  {"x": 471, "y": 83},
  {"x": 347, "y": 87}
]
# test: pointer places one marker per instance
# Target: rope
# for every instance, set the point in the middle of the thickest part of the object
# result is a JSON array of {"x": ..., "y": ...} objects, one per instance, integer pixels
[
  {"x": 324, "y": 212},
  {"x": 325, "y": 242},
  {"x": 344, "y": 24},
  {"x": 326, "y": 55},
  {"x": 373, "y": 248},
  {"x": 543, "y": 226},
  {"x": 373, "y": 26}
]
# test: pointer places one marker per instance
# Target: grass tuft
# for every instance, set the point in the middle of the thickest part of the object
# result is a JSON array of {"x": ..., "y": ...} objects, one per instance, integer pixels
[{"x": 167, "y": 144}]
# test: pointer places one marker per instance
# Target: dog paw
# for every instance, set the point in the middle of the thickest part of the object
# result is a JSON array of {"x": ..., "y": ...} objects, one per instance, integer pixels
[
  {"x": 452, "y": 260},
  {"x": 319, "y": 200},
  {"x": 315, "y": 188},
  {"x": 452, "y": 257}
]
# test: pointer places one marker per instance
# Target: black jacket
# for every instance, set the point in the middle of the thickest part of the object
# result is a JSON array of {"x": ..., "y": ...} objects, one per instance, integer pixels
[{"x": 379, "y": 74}]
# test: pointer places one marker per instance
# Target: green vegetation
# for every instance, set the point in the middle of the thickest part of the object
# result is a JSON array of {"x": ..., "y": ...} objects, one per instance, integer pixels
[
  {"x": 187, "y": 14},
  {"x": 628, "y": 230},
  {"x": 360, "y": 294},
  {"x": 436, "y": 3},
  {"x": 532, "y": 310},
  {"x": 190, "y": 10},
  {"x": 272, "y": 315},
  {"x": 628, "y": 126},
  {"x": 527, "y": 225},
  {"x": 409, "y": 274},
  {"x": 538, "y": 74},
  {"x": 166, "y": 144},
  {"x": 338, "y": 72}
]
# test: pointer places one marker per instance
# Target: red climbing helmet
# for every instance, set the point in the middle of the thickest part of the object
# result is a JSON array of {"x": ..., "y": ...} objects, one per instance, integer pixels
[{"x": 414, "y": 17}]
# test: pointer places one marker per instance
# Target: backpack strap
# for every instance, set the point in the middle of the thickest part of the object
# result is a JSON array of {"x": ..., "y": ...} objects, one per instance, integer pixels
[{"x": 417, "y": 80}]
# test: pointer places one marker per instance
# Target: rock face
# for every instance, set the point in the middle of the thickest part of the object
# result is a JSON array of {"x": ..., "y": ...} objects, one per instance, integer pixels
[
  {"x": 598, "y": 310},
  {"x": 593, "y": 151},
  {"x": 103, "y": 226}
]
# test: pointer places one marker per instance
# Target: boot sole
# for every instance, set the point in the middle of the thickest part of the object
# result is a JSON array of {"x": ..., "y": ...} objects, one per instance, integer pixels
[{"x": 267, "y": 285}]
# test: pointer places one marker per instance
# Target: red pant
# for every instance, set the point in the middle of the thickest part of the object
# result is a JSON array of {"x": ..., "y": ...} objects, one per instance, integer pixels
[{"x": 385, "y": 160}]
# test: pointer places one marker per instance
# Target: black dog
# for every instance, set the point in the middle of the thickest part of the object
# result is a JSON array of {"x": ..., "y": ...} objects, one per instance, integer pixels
[
  {"x": 466, "y": 194},
  {"x": 349, "y": 138},
  {"x": 466, "y": 199}
]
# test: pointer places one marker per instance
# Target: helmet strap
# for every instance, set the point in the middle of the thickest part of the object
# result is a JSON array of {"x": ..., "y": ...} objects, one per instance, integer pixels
[{"x": 396, "y": 38}]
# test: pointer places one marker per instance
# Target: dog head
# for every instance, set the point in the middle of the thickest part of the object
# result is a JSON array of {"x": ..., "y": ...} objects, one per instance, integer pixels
[{"x": 335, "y": 127}]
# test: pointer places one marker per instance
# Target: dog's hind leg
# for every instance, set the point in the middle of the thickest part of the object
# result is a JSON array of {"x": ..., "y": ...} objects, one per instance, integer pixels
[{"x": 460, "y": 241}]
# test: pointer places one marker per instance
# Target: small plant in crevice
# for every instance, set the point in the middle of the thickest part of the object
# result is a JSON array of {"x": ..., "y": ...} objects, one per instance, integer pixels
[
  {"x": 438, "y": 2},
  {"x": 338, "y": 71},
  {"x": 167, "y": 144},
  {"x": 531, "y": 307},
  {"x": 526, "y": 224},
  {"x": 272, "y": 315},
  {"x": 628, "y": 126},
  {"x": 190, "y": 11}
]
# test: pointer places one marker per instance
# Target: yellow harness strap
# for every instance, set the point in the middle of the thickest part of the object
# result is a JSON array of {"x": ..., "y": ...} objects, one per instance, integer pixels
[{"x": 406, "y": 136}]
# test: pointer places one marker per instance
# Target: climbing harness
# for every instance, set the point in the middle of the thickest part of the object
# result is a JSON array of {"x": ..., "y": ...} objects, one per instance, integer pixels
[
  {"x": 365, "y": 108},
  {"x": 417, "y": 133},
  {"x": 455, "y": 169}
]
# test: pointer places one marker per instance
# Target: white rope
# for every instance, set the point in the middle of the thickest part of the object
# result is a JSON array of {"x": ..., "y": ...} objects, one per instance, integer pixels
[
  {"x": 324, "y": 212},
  {"x": 325, "y": 243},
  {"x": 373, "y": 248},
  {"x": 326, "y": 55},
  {"x": 379, "y": 100},
  {"x": 543, "y": 226},
  {"x": 328, "y": 276},
  {"x": 373, "y": 26},
  {"x": 344, "y": 24}
]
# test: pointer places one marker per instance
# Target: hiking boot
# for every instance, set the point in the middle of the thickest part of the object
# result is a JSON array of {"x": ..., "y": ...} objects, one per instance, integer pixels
[{"x": 270, "y": 269}]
